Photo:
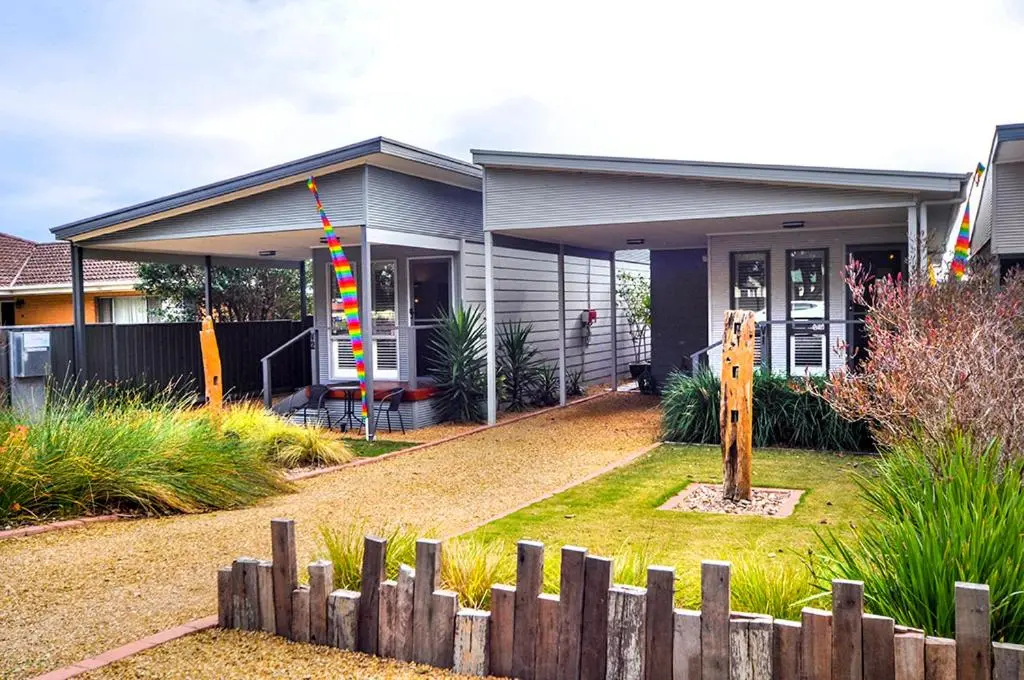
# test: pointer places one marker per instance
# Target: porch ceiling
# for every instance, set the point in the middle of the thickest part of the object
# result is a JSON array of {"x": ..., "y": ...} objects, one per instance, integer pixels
[{"x": 693, "y": 233}]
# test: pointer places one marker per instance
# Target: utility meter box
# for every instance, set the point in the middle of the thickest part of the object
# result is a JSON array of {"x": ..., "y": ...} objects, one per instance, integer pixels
[{"x": 30, "y": 354}]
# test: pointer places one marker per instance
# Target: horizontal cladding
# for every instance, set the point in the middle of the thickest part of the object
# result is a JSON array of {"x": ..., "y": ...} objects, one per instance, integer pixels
[
  {"x": 411, "y": 204},
  {"x": 1008, "y": 219},
  {"x": 983, "y": 222},
  {"x": 289, "y": 207},
  {"x": 526, "y": 290},
  {"x": 525, "y": 199},
  {"x": 836, "y": 241}
]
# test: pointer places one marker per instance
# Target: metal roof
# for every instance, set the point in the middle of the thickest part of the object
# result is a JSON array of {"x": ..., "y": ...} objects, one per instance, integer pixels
[
  {"x": 298, "y": 167},
  {"x": 891, "y": 180}
]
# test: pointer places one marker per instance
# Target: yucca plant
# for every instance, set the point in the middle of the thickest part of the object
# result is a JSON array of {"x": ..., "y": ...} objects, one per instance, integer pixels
[
  {"x": 458, "y": 363},
  {"x": 518, "y": 364},
  {"x": 940, "y": 513},
  {"x": 574, "y": 383},
  {"x": 545, "y": 389}
]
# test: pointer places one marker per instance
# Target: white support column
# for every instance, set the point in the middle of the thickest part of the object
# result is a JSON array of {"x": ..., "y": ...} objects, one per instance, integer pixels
[
  {"x": 366, "y": 321},
  {"x": 922, "y": 240},
  {"x": 561, "y": 325},
  {"x": 913, "y": 254},
  {"x": 490, "y": 321},
  {"x": 614, "y": 323}
]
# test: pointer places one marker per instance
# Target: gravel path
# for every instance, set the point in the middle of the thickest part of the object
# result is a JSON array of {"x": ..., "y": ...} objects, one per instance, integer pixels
[{"x": 74, "y": 594}]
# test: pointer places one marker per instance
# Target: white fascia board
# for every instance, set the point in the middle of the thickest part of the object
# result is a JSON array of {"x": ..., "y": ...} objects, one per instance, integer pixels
[{"x": 61, "y": 288}]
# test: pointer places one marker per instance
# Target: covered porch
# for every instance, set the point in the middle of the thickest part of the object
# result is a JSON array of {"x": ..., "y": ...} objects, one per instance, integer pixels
[{"x": 770, "y": 239}]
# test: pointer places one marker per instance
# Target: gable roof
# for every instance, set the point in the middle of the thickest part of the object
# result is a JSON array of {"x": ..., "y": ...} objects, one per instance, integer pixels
[
  {"x": 25, "y": 264},
  {"x": 458, "y": 171}
]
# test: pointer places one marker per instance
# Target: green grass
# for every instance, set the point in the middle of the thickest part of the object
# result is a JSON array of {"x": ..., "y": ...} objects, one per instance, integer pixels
[
  {"x": 617, "y": 514},
  {"x": 364, "y": 449}
]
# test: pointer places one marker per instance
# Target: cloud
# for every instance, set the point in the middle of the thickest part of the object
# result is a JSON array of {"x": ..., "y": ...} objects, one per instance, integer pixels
[{"x": 120, "y": 102}]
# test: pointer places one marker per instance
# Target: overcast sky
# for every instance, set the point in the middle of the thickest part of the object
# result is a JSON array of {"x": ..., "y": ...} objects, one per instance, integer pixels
[{"x": 103, "y": 104}]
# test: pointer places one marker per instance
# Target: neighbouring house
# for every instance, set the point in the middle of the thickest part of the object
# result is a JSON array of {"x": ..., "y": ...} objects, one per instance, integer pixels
[
  {"x": 999, "y": 225},
  {"x": 35, "y": 286},
  {"x": 540, "y": 238}
]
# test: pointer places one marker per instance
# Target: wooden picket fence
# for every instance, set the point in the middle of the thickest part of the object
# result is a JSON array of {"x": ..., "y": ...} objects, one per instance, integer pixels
[{"x": 596, "y": 629}]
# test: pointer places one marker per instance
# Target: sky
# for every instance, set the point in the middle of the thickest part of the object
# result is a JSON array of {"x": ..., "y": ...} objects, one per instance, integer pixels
[{"x": 105, "y": 104}]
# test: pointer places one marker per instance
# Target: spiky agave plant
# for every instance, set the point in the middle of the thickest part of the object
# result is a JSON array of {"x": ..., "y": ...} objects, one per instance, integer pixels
[{"x": 457, "y": 363}]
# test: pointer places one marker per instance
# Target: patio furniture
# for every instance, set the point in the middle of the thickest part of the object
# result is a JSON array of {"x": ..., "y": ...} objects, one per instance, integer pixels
[
  {"x": 388, "y": 405},
  {"x": 351, "y": 391},
  {"x": 312, "y": 398}
]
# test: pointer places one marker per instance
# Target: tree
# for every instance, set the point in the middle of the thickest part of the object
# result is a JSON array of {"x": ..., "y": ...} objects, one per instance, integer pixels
[
  {"x": 634, "y": 297},
  {"x": 239, "y": 293}
]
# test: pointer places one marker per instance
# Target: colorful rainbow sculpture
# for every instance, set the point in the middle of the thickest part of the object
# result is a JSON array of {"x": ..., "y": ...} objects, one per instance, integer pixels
[{"x": 349, "y": 296}]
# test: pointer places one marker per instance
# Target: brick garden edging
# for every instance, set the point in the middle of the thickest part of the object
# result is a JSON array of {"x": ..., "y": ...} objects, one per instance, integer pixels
[
  {"x": 130, "y": 649},
  {"x": 57, "y": 526},
  {"x": 307, "y": 474}
]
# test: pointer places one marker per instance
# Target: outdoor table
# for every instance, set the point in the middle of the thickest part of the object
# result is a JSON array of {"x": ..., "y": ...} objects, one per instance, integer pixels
[{"x": 352, "y": 392}]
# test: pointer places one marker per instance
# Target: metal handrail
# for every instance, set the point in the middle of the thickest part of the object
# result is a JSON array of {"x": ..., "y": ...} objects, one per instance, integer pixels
[{"x": 312, "y": 332}]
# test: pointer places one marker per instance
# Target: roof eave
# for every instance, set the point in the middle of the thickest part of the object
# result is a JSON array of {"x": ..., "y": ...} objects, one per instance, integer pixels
[{"x": 885, "y": 180}]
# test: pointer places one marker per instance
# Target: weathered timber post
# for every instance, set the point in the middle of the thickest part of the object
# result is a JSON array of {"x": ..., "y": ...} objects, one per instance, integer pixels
[{"x": 736, "y": 413}]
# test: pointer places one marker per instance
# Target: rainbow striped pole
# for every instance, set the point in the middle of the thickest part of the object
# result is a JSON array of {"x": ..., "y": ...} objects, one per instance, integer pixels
[{"x": 349, "y": 298}]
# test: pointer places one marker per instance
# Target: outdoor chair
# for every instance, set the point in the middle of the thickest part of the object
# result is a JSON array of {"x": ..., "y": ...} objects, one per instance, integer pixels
[
  {"x": 316, "y": 403},
  {"x": 388, "y": 405}
]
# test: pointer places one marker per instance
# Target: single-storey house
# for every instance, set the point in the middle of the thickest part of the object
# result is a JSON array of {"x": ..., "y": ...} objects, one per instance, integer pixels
[
  {"x": 35, "y": 287},
  {"x": 999, "y": 227},
  {"x": 541, "y": 238}
]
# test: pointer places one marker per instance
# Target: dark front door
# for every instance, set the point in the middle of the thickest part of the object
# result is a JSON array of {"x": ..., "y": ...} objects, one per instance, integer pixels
[
  {"x": 430, "y": 283},
  {"x": 7, "y": 313},
  {"x": 879, "y": 262}
]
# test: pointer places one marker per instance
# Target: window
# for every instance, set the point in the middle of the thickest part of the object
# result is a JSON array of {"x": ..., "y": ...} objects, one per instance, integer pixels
[
  {"x": 749, "y": 290},
  {"x": 127, "y": 309},
  {"x": 7, "y": 313},
  {"x": 807, "y": 302}
]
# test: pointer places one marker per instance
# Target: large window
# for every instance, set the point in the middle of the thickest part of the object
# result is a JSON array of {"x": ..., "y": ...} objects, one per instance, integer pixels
[
  {"x": 127, "y": 309},
  {"x": 807, "y": 303}
]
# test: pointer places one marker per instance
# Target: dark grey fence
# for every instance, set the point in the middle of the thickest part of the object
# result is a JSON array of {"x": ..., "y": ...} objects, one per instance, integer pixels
[{"x": 155, "y": 355}]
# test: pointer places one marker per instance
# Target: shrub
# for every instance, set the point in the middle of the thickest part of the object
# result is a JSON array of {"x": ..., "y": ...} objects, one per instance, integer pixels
[
  {"x": 457, "y": 364},
  {"x": 779, "y": 589},
  {"x": 344, "y": 548},
  {"x": 786, "y": 413},
  {"x": 633, "y": 291},
  {"x": 942, "y": 513},
  {"x": 470, "y": 567},
  {"x": 941, "y": 359},
  {"x": 284, "y": 443},
  {"x": 574, "y": 383},
  {"x": 518, "y": 364},
  {"x": 545, "y": 391},
  {"x": 103, "y": 453}
]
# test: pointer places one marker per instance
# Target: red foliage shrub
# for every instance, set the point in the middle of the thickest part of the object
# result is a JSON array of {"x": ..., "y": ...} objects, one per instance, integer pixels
[{"x": 941, "y": 359}]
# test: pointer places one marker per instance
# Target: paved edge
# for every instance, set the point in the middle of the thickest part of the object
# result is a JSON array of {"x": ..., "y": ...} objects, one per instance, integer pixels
[
  {"x": 22, "y": 532},
  {"x": 130, "y": 649},
  {"x": 133, "y": 648},
  {"x": 57, "y": 526}
]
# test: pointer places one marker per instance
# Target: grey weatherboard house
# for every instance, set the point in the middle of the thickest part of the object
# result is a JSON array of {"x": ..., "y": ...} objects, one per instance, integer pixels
[
  {"x": 541, "y": 237},
  {"x": 999, "y": 227}
]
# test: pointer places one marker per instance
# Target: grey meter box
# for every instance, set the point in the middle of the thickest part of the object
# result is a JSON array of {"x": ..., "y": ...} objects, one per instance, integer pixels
[{"x": 30, "y": 354}]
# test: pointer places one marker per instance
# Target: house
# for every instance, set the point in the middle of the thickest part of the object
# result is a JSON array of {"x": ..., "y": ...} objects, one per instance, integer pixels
[
  {"x": 35, "y": 286},
  {"x": 999, "y": 227},
  {"x": 541, "y": 238},
  {"x": 411, "y": 222}
]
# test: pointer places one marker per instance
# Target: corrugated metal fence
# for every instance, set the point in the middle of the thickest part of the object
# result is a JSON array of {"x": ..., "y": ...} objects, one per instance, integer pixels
[{"x": 155, "y": 355}]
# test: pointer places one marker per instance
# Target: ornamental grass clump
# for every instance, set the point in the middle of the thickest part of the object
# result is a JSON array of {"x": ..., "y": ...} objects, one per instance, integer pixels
[
  {"x": 99, "y": 453},
  {"x": 283, "y": 443},
  {"x": 939, "y": 513}
]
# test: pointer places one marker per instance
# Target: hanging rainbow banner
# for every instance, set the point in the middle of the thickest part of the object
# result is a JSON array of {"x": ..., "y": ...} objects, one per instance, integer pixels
[
  {"x": 349, "y": 295},
  {"x": 962, "y": 249}
]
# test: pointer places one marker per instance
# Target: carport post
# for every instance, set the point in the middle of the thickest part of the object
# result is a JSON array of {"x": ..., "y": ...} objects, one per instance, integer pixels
[
  {"x": 913, "y": 254},
  {"x": 561, "y": 324},
  {"x": 208, "y": 285},
  {"x": 78, "y": 311},
  {"x": 365, "y": 292},
  {"x": 922, "y": 239},
  {"x": 614, "y": 323},
  {"x": 489, "y": 322}
]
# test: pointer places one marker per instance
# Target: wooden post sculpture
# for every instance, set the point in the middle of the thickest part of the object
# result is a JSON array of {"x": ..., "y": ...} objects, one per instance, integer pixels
[
  {"x": 211, "y": 365},
  {"x": 736, "y": 413}
]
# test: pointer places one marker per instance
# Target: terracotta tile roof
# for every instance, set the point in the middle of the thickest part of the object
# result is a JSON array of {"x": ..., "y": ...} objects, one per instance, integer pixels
[{"x": 25, "y": 263}]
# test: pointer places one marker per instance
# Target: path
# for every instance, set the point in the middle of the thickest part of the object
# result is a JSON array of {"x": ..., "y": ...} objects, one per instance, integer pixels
[{"x": 72, "y": 594}]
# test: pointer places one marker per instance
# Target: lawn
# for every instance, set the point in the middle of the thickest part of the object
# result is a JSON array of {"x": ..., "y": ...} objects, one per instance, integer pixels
[
  {"x": 617, "y": 514},
  {"x": 364, "y": 449}
]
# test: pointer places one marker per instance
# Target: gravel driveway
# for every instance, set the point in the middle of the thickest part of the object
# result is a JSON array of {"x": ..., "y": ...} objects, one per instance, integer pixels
[{"x": 73, "y": 594}]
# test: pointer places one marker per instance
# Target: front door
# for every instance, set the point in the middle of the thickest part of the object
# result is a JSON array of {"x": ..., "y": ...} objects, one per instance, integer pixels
[
  {"x": 879, "y": 262},
  {"x": 7, "y": 313},
  {"x": 430, "y": 297}
]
